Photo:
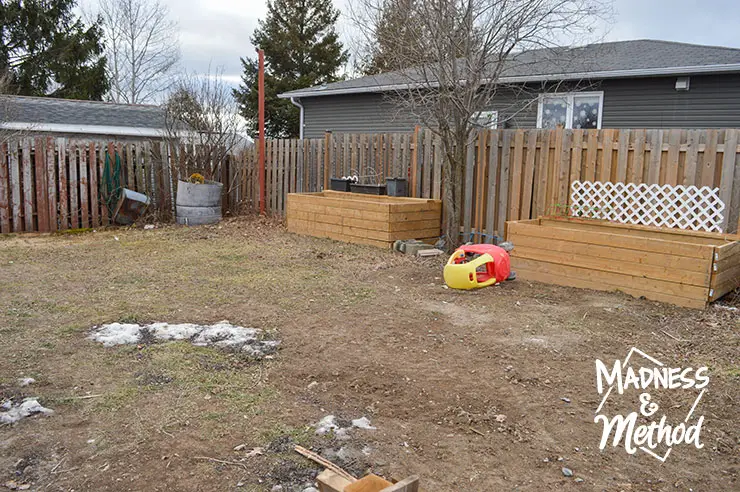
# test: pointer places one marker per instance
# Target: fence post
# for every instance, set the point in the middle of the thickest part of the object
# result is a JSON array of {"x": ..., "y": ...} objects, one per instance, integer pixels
[
  {"x": 327, "y": 158},
  {"x": 414, "y": 164}
]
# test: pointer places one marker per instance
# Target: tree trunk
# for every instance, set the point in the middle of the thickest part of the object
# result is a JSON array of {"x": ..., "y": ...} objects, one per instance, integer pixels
[{"x": 453, "y": 196}]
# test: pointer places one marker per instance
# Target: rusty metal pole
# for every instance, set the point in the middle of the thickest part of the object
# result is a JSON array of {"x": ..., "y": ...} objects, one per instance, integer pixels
[{"x": 261, "y": 97}]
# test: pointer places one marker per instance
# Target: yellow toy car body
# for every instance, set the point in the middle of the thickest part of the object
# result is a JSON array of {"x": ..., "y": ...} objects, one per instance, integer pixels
[{"x": 459, "y": 274}]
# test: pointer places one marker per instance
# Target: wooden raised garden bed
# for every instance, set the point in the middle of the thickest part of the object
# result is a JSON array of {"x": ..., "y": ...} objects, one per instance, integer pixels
[
  {"x": 680, "y": 267},
  {"x": 364, "y": 219}
]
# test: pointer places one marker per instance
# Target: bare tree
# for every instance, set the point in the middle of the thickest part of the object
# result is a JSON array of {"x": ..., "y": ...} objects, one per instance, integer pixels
[
  {"x": 142, "y": 48},
  {"x": 202, "y": 125},
  {"x": 473, "y": 43}
]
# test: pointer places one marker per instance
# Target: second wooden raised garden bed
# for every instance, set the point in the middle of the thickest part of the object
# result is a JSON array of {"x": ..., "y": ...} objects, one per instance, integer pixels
[
  {"x": 680, "y": 267},
  {"x": 364, "y": 219}
]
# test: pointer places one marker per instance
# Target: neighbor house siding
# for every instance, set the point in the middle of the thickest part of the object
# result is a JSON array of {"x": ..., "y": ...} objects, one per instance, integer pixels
[{"x": 713, "y": 101}]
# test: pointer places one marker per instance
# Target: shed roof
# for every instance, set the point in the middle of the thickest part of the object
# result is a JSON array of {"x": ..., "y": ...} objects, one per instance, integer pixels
[{"x": 75, "y": 116}]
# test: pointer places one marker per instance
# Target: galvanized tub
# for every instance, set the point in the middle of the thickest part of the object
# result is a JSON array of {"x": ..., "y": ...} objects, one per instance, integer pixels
[
  {"x": 198, "y": 204},
  {"x": 131, "y": 205}
]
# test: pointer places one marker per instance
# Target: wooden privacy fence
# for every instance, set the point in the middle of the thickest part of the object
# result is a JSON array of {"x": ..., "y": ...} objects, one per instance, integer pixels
[
  {"x": 50, "y": 183},
  {"x": 510, "y": 174}
]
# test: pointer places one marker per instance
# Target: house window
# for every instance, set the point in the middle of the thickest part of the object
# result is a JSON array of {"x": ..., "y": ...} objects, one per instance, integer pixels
[
  {"x": 487, "y": 119},
  {"x": 570, "y": 110}
]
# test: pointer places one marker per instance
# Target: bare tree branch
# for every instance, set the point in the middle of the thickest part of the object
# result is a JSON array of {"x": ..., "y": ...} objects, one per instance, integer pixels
[
  {"x": 202, "y": 125},
  {"x": 142, "y": 49},
  {"x": 472, "y": 44}
]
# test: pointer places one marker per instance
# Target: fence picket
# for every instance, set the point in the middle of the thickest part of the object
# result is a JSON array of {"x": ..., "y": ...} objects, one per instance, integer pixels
[
  {"x": 15, "y": 186},
  {"x": 27, "y": 186},
  {"x": 516, "y": 176},
  {"x": 4, "y": 190},
  {"x": 728, "y": 172},
  {"x": 710, "y": 159},
  {"x": 622, "y": 156},
  {"x": 493, "y": 166},
  {"x": 42, "y": 204},
  {"x": 84, "y": 202},
  {"x": 503, "y": 182}
]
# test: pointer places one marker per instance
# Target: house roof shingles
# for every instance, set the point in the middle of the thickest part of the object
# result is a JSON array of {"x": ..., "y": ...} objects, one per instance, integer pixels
[
  {"x": 642, "y": 57},
  {"x": 45, "y": 110}
]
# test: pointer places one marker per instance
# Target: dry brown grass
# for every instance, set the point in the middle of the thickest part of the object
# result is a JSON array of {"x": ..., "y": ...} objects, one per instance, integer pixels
[{"x": 375, "y": 330}]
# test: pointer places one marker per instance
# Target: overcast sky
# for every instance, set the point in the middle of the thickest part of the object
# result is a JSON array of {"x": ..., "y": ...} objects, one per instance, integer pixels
[{"x": 216, "y": 32}]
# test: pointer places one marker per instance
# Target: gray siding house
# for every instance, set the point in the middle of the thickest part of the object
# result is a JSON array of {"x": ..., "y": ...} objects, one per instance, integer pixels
[{"x": 627, "y": 84}]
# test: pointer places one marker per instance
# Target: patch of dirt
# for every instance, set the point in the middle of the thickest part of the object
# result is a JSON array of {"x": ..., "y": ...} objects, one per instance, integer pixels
[{"x": 481, "y": 390}]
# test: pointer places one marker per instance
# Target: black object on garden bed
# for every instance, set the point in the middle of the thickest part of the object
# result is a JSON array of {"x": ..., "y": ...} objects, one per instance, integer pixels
[
  {"x": 340, "y": 184},
  {"x": 397, "y": 186},
  {"x": 368, "y": 189}
]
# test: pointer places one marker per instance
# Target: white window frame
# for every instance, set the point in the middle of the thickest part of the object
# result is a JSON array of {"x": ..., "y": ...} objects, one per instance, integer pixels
[
  {"x": 568, "y": 96},
  {"x": 491, "y": 116}
]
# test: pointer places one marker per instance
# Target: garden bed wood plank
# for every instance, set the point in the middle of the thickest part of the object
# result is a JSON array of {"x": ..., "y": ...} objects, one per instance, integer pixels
[
  {"x": 611, "y": 239},
  {"x": 680, "y": 267},
  {"x": 571, "y": 277},
  {"x": 682, "y": 235}
]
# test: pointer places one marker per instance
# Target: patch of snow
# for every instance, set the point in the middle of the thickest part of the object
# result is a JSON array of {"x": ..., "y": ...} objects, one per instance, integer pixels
[
  {"x": 222, "y": 335},
  {"x": 166, "y": 331},
  {"x": 117, "y": 334},
  {"x": 363, "y": 423},
  {"x": 18, "y": 411},
  {"x": 329, "y": 424},
  {"x": 26, "y": 381},
  {"x": 326, "y": 425}
]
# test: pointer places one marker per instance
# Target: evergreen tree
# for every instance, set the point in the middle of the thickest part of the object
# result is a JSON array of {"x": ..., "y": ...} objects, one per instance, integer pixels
[
  {"x": 302, "y": 49},
  {"x": 45, "y": 50}
]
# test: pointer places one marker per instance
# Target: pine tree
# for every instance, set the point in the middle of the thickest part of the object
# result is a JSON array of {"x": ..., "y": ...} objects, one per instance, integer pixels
[
  {"x": 45, "y": 50},
  {"x": 302, "y": 49}
]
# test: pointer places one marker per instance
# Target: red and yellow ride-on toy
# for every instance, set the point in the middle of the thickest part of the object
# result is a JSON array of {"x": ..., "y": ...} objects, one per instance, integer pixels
[{"x": 473, "y": 266}]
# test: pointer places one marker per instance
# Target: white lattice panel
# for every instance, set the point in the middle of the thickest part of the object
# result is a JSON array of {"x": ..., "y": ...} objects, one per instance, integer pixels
[{"x": 684, "y": 207}]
